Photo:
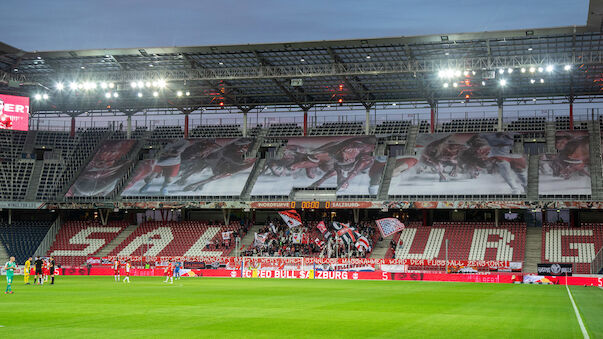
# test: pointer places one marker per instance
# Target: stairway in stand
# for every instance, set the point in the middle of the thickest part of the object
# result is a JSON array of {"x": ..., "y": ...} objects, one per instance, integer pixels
[{"x": 118, "y": 240}]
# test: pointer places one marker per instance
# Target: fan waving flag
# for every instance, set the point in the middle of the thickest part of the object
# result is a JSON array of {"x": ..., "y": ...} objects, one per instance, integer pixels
[
  {"x": 347, "y": 234},
  {"x": 323, "y": 229},
  {"x": 389, "y": 226},
  {"x": 362, "y": 242},
  {"x": 291, "y": 218}
]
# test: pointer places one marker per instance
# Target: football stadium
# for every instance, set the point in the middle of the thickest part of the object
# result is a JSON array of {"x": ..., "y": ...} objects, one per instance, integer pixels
[{"x": 444, "y": 185}]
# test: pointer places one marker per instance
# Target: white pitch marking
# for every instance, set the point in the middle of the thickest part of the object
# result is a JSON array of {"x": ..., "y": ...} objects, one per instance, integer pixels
[{"x": 580, "y": 322}]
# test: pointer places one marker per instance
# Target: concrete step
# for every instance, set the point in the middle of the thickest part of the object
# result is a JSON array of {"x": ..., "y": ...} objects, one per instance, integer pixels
[
  {"x": 34, "y": 181},
  {"x": 250, "y": 236},
  {"x": 533, "y": 172},
  {"x": 118, "y": 240},
  {"x": 381, "y": 248},
  {"x": 253, "y": 177},
  {"x": 3, "y": 254},
  {"x": 533, "y": 249}
]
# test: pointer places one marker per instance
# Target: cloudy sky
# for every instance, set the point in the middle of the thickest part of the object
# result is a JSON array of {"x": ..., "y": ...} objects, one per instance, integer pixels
[{"x": 85, "y": 24}]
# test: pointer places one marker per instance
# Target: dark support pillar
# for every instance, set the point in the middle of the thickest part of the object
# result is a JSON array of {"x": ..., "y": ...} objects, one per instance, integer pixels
[
  {"x": 72, "y": 130},
  {"x": 500, "y": 114},
  {"x": 305, "y": 122},
  {"x": 571, "y": 113},
  {"x": 432, "y": 127},
  {"x": 186, "y": 125}
]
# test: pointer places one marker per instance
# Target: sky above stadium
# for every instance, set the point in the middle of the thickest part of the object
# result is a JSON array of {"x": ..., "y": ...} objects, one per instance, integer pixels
[{"x": 79, "y": 24}]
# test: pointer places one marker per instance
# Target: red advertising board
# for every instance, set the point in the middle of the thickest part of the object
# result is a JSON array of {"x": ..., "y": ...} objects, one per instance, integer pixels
[{"x": 14, "y": 112}]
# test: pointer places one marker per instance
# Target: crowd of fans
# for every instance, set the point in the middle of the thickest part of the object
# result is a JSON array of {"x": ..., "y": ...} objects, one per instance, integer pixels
[{"x": 279, "y": 240}]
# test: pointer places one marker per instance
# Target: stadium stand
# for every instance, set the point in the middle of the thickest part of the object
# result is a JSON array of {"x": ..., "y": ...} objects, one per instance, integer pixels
[
  {"x": 22, "y": 238},
  {"x": 467, "y": 241},
  {"x": 186, "y": 238},
  {"x": 575, "y": 245},
  {"x": 167, "y": 132},
  {"x": 284, "y": 129},
  {"x": 338, "y": 128},
  {"x": 15, "y": 171},
  {"x": 470, "y": 125},
  {"x": 393, "y": 128},
  {"x": 216, "y": 131},
  {"x": 77, "y": 240}
]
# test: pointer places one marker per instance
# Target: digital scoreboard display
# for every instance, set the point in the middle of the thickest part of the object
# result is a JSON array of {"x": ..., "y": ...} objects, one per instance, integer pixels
[
  {"x": 310, "y": 204},
  {"x": 14, "y": 112}
]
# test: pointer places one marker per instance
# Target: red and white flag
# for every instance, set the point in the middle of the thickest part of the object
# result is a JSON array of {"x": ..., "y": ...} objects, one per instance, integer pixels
[
  {"x": 389, "y": 226},
  {"x": 297, "y": 238},
  {"x": 226, "y": 235},
  {"x": 319, "y": 242},
  {"x": 362, "y": 242},
  {"x": 323, "y": 229},
  {"x": 291, "y": 218},
  {"x": 260, "y": 239}
]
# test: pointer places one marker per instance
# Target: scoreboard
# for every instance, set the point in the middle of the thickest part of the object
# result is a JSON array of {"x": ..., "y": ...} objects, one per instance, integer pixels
[{"x": 311, "y": 204}]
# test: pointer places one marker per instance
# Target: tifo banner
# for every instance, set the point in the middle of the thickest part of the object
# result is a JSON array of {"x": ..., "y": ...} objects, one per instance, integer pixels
[
  {"x": 461, "y": 163},
  {"x": 104, "y": 171},
  {"x": 346, "y": 164},
  {"x": 14, "y": 112},
  {"x": 194, "y": 167},
  {"x": 555, "y": 269},
  {"x": 567, "y": 171},
  {"x": 389, "y": 226}
]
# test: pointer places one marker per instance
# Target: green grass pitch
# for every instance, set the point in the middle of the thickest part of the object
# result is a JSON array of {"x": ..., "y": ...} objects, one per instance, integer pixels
[{"x": 98, "y": 307}]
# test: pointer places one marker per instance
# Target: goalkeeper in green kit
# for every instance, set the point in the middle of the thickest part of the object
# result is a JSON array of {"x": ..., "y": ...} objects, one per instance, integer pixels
[{"x": 10, "y": 268}]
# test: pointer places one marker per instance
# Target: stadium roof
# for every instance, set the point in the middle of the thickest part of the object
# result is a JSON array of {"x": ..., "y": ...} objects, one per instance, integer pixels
[{"x": 428, "y": 68}]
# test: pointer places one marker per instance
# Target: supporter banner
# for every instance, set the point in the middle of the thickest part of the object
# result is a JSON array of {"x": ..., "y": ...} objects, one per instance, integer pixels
[
  {"x": 474, "y": 278},
  {"x": 104, "y": 171},
  {"x": 555, "y": 269},
  {"x": 345, "y": 164},
  {"x": 567, "y": 171},
  {"x": 461, "y": 163},
  {"x": 194, "y": 167},
  {"x": 14, "y": 112},
  {"x": 279, "y": 262}
]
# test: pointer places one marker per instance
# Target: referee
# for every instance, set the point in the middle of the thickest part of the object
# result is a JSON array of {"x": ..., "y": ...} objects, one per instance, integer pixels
[
  {"x": 51, "y": 264},
  {"x": 38, "y": 264}
]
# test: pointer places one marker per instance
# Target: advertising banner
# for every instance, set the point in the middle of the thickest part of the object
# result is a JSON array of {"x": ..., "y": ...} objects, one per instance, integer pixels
[
  {"x": 346, "y": 164},
  {"x": 104, "y": 171},
  {"x": 555, "y": 269},
  {"x": 14, "y": 112},
  {"x": 194, "y": 167},
  {"x": 461, "y": 163},
  {"x": 567, "y": 171}
]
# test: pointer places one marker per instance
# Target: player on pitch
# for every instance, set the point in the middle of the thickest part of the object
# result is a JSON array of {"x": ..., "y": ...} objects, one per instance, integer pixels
[
  {"x": 10, "y": 268},
  {"x": 26, "y": 271}
]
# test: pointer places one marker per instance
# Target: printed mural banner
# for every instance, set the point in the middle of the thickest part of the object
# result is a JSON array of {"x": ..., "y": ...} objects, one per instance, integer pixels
[
  {"x": 461, "y": 163},
  {"x": 567, "y": 171},
  {"x": 194, "y": 167},
  {"x": 346, "y": 164},
  {"x": 104, "y": 171}
]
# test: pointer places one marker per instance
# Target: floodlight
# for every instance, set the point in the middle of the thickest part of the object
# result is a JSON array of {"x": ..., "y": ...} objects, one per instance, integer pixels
[
  {"x": 454, "y": 84},
  {"x": 103, "y": 85},
  {"x": 115, "y": 94},
  {"x": 550, "y": 68},
  {"x": 155, "y": 94},
  {"x": 567, "y": 67},
  {"x": 541, "y": 81},
  {"x": 501, "y": 71},
  {"x": 179, "y": 93},
  {"x": 140, "y": 84},
  {"x": 540, "y": 69},
  {"x": 188, "y": 93},
  {"x": 445, "y": 85},
  {"x": 523, "y": 70},
  {"x": 161, "y": 83},
  {"x": 510, "y": 70},
  {"x": 59, "y": 86},
  {"x": 133, "y": 84},
  {"x": 503, "y": 82},
  {"x": 532, "y": 81},
  {"x": 45, "y": 96},
  {"x": 111, "y": 85},
  {"x": 38, "y": 96},
  {"x": 73, "y": 86},
  {"x": 139, "y": 94},
  {"x": 108, "y": 95},
  {"x": 532, "y": 69}
]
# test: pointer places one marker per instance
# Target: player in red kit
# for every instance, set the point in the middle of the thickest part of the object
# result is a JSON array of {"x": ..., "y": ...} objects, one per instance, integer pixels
[
  {"x": 116, "y": 265},
  {"x": 169, "y": 272}
]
